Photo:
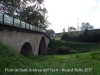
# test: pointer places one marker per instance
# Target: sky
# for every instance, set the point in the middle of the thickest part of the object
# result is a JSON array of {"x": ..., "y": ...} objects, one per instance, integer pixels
[{"x": 62, "y": 13}]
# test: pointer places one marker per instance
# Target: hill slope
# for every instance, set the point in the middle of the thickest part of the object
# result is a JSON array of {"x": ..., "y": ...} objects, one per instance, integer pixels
[
  {"x": 12, "y": 63},
  {"x": 78, "y": 46}
]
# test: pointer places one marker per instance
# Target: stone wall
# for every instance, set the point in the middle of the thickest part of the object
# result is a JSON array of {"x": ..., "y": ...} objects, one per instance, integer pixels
[{"x": 16, "y": 40}]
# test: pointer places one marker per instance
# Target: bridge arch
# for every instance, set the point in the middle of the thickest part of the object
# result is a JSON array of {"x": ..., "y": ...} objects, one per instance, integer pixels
[
  {"x": 26, "y": 49},
  {"x": 42, "y": 46}
]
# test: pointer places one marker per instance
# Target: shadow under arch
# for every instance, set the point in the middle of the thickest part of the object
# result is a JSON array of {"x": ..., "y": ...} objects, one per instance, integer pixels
[
  {"x": 26, "y": 49},
  {"x": 42, "y": 46}
]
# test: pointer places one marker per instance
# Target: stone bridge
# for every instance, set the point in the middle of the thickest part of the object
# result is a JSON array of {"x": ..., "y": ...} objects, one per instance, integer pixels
[{"x": 23, "y": 40}]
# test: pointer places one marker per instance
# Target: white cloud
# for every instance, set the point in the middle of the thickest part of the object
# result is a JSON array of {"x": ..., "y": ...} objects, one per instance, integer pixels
[{"x": 65, "y": 12}]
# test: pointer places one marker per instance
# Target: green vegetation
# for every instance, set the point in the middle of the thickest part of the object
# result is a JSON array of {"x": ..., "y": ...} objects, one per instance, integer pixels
[
  {"x": 23, "y": 10},
  {"x": 65, "y": 50},
  {"x": 87, "y": 34},
  {"x": 82, "y": 64},
  {"x": 77, "y": 46}
]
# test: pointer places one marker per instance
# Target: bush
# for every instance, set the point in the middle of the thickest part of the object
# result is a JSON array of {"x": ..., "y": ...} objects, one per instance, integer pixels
[
  {"x": 73, "y": 51},
  {"x": 51, "y": 51},
  {"x": 92, "y": 36},
  {"x": 65, "y": 37},
  {"x": 63, "y": 50}
]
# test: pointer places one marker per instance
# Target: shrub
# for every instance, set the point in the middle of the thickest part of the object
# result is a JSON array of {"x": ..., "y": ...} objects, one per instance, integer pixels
[
  {"x": 51, "y": 51},
  {"x": 65, "y": 37},
  {"x": 73, "y": 51},
  {"x": 63, "y": 50}
]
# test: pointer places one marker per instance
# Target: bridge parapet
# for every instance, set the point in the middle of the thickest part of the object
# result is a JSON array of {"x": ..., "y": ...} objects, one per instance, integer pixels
[
  {"x": 34, "y": 42},
  {"x": 6, "y": 20}
]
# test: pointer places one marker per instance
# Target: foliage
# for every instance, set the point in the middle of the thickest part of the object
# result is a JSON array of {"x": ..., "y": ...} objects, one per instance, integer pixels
[
  {"x": 64, "y": 30},
  {"x": 13, "y": 60},
  {"x": 79, "y": 47},
  {"x": 30, "y": 11},
  {"x": 85, "y": 35},
  {"x": 63, "y": 50},
  {"x": 70, "y": 36},
  {"x": 10, "y": 6},
  {"x": 57, "y": 38},
  {"x": 51, "y": 33},
  {"x": 65, "y": 36},
  {"x": 51, "y": 51},
  {"x": 71, "y": 29},
  {"x": 73, "y": 51},
  {"x": 86, "y": 26},
  {"x": 16, "y": 6},
  {"x": 92, "y": 36}
]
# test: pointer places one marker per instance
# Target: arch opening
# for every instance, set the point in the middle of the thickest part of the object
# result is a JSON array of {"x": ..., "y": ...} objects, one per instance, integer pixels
[
  {"x": 42, "y": 47},
  {"x": 26, "y": 49}
]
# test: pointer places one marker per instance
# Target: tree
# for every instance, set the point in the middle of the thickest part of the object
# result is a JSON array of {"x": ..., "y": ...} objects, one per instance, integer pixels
[
  {"x": 10, "y": 6},
  {"x": 30, "y": 11},
  {"x": 85, "y": 27},
  {"x": 34, "y": 17},
  {"x": 51, "y": 33},
  {"x": 15, "y": 6},
  {"x": 64, "y": 30},
  {"x": 71, "y": 29},
  {"x": 35, "y": 14}
]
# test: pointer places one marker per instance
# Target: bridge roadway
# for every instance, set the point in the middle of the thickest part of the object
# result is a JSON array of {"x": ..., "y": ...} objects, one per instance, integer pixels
[{"x": 23, "y": 37}]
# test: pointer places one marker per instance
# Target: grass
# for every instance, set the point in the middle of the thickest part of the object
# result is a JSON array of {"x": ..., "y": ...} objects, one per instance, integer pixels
[
  {"x": 78, "y": 46},
  {"x": 12, "y": 63}
]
